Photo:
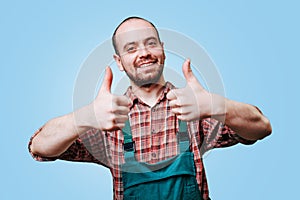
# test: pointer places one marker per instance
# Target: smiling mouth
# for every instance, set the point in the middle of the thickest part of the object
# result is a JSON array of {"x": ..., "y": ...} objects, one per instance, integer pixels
[{"x": 147, "y": 64}]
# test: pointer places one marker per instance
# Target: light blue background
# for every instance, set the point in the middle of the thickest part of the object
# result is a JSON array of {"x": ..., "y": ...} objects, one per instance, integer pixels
[{"x": 254, "y": 44}]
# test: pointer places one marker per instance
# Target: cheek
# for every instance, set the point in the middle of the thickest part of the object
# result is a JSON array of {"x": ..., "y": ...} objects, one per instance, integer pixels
[
  {"x": 156, "y": 51},
  {"x": 159, "y": 53},
  {"x": 162, "y": 58},
  {"x": 128, "y": 64},
  {"x": 128, "y": 60}
]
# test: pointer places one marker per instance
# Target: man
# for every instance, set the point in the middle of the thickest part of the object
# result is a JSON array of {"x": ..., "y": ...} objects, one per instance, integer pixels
[{"x": 101, "y": 133}]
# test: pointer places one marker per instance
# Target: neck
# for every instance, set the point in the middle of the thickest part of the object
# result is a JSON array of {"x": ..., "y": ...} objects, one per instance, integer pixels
[{"x": 149, "y": 93}]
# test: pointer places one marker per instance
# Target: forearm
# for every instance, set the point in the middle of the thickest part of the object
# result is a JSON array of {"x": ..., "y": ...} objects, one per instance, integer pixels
[
  {"x": 246, "y": 120},
  {"x": 59, "y": 133}
]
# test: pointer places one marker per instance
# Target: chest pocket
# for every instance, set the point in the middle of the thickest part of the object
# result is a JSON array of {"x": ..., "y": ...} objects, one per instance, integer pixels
[{"x": 171, "y": 179}]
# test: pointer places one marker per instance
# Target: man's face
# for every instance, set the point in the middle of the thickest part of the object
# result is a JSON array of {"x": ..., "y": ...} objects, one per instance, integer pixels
[{"x": 141, "y": 54}]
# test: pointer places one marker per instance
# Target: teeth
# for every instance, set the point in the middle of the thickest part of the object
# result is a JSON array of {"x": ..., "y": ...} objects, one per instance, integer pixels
[{"x": 146, "y": 65}]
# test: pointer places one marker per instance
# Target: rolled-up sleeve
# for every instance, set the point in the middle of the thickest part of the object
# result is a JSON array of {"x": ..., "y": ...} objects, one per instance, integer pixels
[{"x": 218, "y": 135}]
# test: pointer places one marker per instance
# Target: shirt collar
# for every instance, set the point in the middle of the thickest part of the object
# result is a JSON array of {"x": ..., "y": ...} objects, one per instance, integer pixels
[{"x": 166, "y": 88}]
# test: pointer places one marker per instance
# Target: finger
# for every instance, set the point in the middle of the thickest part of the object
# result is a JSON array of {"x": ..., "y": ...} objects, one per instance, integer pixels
[
  {"x": 177, "y": 103},
  {"x": 180, "y": 111},
  {"x": 171, "y": 95},
  {"x": 174, "y": 103},
  {"x": 181, "y": 117},
  {"x": 184, "y": 117},
  {"x": 123, "y": 101},
  {"x": 122, "y": 110},
  {"x": 187, "y": 71},
  {"x": 176, "y": 111},
  {"x": 121, "y": 119},
  {"x": 120, "y": 125},
  {"x": 107, "y": 81}
]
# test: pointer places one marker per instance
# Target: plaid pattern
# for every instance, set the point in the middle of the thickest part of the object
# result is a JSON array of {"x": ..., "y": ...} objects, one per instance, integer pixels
[{"x": 154, "y": 132}]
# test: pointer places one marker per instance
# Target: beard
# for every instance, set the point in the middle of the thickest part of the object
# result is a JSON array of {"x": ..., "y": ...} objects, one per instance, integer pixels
[{"x": 146, "y": 80}]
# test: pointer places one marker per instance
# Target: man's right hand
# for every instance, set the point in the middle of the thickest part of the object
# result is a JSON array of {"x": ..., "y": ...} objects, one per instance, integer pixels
[
  {"x": 107, "y": 112},
  {"x": 110, "y": 111}
]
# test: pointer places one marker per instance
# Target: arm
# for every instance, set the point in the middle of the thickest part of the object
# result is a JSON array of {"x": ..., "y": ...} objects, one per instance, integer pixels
[
  {"x": 194, "y": 102},
  {"x": 107, "y": 112},
  {"x": 246, "y": 120},
  {"x": 55, "y": 137}
]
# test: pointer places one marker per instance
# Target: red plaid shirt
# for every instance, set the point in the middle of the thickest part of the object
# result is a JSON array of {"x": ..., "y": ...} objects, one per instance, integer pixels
[{"x": 154, "y": 132}]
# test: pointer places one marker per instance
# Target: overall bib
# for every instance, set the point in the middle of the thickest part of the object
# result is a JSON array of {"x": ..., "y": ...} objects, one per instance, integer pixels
[{"x": 171, "y": 179}]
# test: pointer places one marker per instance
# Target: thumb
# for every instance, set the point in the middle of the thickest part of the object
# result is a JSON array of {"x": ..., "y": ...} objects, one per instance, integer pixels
[
  {"x": 187, "y": 71},
  {"x": 107, "y": 81}
]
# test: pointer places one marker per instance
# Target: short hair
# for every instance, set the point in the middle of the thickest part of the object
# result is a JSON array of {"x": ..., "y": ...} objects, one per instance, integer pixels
[{"x": 125, "y": 20}]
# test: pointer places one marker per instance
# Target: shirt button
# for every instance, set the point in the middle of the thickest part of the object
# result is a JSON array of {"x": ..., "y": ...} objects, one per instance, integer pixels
[{"x": 153, "y": 155}]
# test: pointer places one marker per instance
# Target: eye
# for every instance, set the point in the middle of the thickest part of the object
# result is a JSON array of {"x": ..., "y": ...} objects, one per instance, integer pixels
[
  {"x": 152, "y": 43},
  {"x": 131, "y": 49}
]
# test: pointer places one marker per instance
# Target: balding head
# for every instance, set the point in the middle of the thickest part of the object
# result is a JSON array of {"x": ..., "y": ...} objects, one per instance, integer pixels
[{"x": 131, "y": 24}]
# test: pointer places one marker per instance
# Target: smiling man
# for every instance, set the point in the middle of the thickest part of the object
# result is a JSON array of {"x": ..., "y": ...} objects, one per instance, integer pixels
[{"x": 153, "y": 137}]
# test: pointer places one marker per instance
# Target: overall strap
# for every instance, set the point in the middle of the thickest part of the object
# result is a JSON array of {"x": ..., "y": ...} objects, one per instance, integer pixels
[
  {"x": 182, "y": 137},
  {"x": 128, "y": 142}
]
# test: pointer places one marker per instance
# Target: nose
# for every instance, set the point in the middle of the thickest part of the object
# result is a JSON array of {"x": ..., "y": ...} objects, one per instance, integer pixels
[{"x": 143, "y": 52}]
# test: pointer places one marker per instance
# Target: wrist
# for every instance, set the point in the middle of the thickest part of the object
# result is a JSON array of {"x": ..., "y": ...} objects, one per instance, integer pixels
[
  {"x": 219, "y": 106},
  {"x": 84, "y": 118}
]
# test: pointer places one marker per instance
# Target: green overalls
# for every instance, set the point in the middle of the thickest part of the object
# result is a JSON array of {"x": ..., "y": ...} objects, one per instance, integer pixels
[{"x": 171, "y": 179}]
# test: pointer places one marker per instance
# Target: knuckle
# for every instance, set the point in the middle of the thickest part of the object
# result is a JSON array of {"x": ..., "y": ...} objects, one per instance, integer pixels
[
  {"x": 111, "y": 118},
  {"x": 114, "y": 109},
  {"x": 125, "y": 118},
  {"x": 114, "y": 100}
]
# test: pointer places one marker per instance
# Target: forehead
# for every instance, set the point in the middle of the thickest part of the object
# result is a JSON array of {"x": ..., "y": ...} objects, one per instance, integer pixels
[{"x": 134, "y": 30}]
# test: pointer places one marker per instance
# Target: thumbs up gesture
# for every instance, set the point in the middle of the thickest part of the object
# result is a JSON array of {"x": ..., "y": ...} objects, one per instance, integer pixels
[
  {"x": 194, "y": 102},
  {"x": 111, "y": 111}
]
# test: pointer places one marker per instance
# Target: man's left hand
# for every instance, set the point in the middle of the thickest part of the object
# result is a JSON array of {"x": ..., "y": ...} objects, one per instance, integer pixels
[{"x": 193, "y": 101}]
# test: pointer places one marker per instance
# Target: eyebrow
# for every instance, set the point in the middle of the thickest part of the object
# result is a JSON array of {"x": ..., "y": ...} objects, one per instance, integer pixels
[
  {"x": 150, "y": 38},
  {"x": 127, "y": 44},
  {"x": 145, "y": 40}
]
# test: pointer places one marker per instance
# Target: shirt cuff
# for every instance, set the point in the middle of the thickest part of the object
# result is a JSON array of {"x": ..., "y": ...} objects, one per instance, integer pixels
[{"x": 243, "y": 140}]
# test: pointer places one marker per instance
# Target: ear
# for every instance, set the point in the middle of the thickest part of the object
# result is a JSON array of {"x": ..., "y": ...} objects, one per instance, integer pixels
[
  {"x": 163, "y": 48},
  {"x": 119, "y": 62}
]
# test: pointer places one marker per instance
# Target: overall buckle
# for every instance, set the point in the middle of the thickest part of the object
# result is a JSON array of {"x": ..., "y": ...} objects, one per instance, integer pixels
[{"x": 129, "y": 146}]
